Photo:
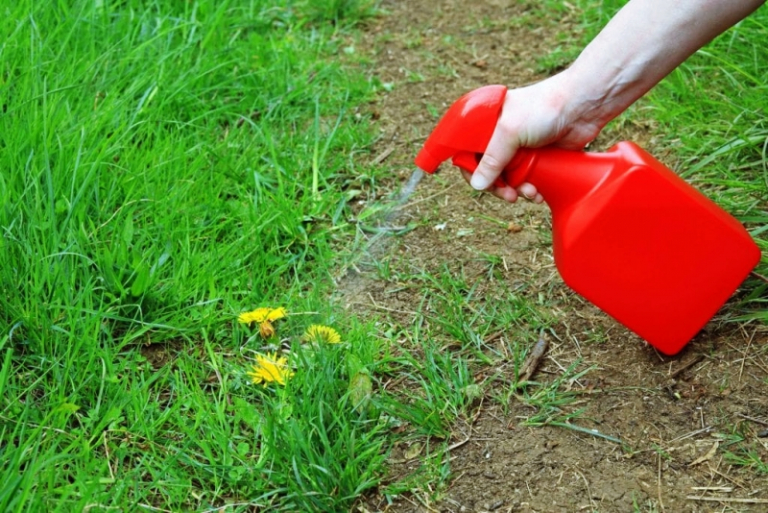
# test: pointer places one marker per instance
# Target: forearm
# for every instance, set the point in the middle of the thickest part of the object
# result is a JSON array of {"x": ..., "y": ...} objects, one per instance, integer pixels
[{"x": 644, "y": 42}]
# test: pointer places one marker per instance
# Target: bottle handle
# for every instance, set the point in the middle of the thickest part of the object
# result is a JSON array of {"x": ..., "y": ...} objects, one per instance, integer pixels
[{"x": 513, "y": 174}]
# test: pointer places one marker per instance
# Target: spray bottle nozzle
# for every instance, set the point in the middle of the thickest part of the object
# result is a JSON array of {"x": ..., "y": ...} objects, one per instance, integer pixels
[{"x": 466, "y": 127}]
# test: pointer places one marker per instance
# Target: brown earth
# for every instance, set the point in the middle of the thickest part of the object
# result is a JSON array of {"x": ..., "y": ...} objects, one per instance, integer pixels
[{"x": 676, "y": 416}]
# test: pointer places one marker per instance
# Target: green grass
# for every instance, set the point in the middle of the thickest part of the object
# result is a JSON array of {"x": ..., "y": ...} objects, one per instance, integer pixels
[
  {"x": 463, "y": 348},
  {"x": 742, "y": 448},
  {"x": 166, "y": 166}
]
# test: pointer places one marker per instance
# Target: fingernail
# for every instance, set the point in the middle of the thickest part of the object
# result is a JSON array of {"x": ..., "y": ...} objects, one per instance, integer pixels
[
  {"x": 479, "y": 182},
  {"x": 526, "y": 190}
]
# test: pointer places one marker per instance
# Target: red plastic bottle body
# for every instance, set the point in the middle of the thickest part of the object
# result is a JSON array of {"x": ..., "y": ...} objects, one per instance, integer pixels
[
  {"x": 644, "y": 246},
  {"x": 628, "y": 234}
]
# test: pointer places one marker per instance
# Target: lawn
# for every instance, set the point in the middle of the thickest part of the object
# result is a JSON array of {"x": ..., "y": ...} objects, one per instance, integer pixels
[{"x": 168, "y": 166}]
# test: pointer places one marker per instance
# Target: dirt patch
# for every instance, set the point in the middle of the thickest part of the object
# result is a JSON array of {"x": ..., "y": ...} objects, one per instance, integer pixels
[{"x": 677, "y": 418}]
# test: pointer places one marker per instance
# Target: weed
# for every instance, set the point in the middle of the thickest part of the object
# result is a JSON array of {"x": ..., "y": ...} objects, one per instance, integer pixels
[{"x": 749, "y": 457}]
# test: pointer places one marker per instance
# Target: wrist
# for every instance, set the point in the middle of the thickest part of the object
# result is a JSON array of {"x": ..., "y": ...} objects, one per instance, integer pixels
[
  {"x": 598, "y": 95},
  {"x": 581, "y": 99}
]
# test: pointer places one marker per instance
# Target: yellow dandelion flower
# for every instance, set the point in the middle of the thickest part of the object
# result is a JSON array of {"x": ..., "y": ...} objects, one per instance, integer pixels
[
  {"x": 320, "y": 333},
  {"x": 270, "y": 369},
  {"x": 261, "y": 315}
]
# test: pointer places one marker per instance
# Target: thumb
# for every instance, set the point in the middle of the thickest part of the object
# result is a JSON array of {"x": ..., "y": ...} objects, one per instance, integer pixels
[{"x": 498, "y": 154}]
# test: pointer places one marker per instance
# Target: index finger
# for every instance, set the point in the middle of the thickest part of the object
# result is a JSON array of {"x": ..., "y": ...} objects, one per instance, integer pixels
[{"x": 499, "y": 152}]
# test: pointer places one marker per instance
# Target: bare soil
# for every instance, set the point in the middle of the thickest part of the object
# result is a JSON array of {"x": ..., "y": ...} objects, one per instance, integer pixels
[{"x": 675, "y": 414}]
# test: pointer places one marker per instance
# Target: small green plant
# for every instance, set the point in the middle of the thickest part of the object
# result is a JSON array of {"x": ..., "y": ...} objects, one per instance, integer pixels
[
  {"x": 661, "y": 452},
  {"x": 441, "y": 388},
  {"x": 348, "y": 12},
  {"x": 649, "y": 506},
  {"x": 749, "y": 457},
  {"x": 557, "y": 60}
]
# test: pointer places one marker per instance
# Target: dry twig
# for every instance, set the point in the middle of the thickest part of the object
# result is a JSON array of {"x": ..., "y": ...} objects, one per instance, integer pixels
[
  {"x": 687, "y": 366},
  {"x": 381, "y": 157},
  {"x": 753, "y": 419},
  {"x": 727, "y": 499},
  {"x": 534, "y": 359}
]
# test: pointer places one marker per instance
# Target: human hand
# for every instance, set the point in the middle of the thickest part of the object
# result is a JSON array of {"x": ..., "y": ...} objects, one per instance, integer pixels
[
  {"x": 641, "y": 44},
  {"x": 546, "y": 113}
]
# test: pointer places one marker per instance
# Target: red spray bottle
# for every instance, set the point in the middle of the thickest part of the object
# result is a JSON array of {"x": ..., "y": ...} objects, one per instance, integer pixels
[{"x": 629, "y": 235}]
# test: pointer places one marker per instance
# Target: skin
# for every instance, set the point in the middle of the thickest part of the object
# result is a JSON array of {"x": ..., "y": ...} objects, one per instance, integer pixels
[{"x": 643, "y": 43}]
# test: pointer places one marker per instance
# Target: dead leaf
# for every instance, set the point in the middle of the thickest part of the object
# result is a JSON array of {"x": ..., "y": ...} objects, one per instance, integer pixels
[
  {"x": 413, "y": 451},
  {"x": 706, "y": 457},
  {"x": 360, "y": 390}
]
